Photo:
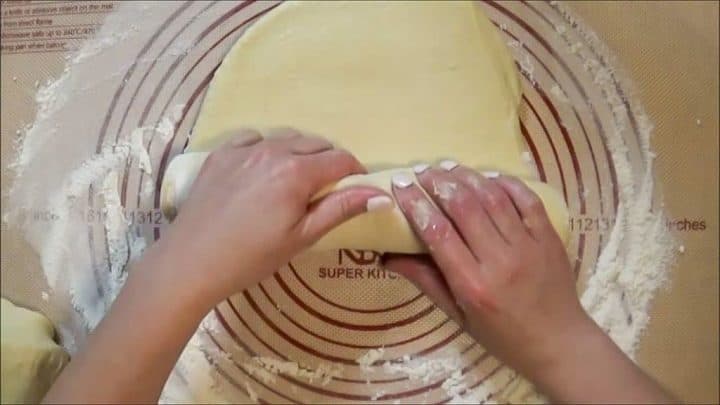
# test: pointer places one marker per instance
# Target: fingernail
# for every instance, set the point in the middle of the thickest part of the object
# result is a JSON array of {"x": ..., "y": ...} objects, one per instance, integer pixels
[
  {"x": 491, "y": 175},
  {"x": 420, "y": 167},
  {"x": 448, "y": 164},
  {"x": 402, "y": 180},
  {"x": 379, "y": 202}
]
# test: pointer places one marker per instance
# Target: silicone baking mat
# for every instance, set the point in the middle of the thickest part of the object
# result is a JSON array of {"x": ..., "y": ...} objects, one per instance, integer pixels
[{"x": 331, "y": 308}]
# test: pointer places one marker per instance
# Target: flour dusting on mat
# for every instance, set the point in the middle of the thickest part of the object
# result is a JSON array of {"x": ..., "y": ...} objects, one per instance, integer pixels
[
  {"x": 640, "y": 250},
  {"x": 425, "y": 369},
  {"x": 322, "y": 374},
  {"x": 59, "y": 170},
  {"x": 369, "y": 358}
]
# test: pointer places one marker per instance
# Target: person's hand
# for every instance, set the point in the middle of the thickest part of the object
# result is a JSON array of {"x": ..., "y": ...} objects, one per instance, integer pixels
[
  {"x": 496, "y": 264},
  {"x": 249, "y": 211}
]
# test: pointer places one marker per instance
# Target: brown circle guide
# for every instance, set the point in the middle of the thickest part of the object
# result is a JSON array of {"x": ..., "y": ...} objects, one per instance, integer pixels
[{"x": 566, "y": 142}]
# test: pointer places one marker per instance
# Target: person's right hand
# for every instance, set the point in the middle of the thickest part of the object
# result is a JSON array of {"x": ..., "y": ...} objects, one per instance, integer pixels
[{"x": 496, "y": 264}]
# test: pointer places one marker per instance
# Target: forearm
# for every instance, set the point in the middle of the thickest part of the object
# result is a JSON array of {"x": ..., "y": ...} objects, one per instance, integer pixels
[
  {"x": 591, "y": 368},
  {"x": 133, "y": 350}
]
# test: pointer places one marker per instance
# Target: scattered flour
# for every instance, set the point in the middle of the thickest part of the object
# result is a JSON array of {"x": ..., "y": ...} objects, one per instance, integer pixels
[
  {"x": 448, "y": 368},
  {"x": 137, "y": 143},
  {"x": 267, "y": 368},
  {"x": 369, "y": 358},
  {"x": 67, "y": 209},
  {"x": 559, "y": 94},
  {"x": 65, "y": 188},
  {"x": 524, "y": 60},
  {"x": 116, "y": 227},
  {"x": 422, "y": 211},
  {"x": 251, "y": 393},
  {"x": 166, "y": 127},
  {"x": 444, "y": 190},
  {"x": 258, "y": 371},
  {"x": 64, "y": 200},
  {"x": 455, "y": 385},
  {"x": 378, "y": 394},
  {"x": 574, "y": 48},
  {"x": 148, "y": 189},
  {"x": 527, "y": 68},
  {"x": 514, "y": 44},
  {"x": 425, "y": 369},
  {"x": 640, "y": 250}
]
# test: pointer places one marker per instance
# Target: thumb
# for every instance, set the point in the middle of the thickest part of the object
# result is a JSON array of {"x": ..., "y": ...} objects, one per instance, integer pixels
[
  {"x": 423, "y": 272},
  {"x": 338, "y": 207}
]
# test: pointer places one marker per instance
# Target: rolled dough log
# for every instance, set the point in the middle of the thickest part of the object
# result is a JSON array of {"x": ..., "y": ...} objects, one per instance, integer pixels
[
  {"x": 395, "y": 83},
  {"x": 361, "y": 232},
  {"x": 389, "y": 231},
  {"x": 31, "y": 360}
]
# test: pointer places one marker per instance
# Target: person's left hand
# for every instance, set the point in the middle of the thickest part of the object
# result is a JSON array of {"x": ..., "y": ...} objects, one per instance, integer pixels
[{"x": 250, "y": 211}]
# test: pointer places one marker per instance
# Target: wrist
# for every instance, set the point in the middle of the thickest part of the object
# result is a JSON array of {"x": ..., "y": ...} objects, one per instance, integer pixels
[
  {"x": 164, "y": 273},
  {"x": 566, "y": 359},
  {"x": 563, "y": 350},
  {"x": 198, "y": 263},
  {"x": 587, "y": 366}
]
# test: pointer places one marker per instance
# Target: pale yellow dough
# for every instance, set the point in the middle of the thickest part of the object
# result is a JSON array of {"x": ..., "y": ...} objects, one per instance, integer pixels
[
  {"x": 31, "y": 360},
  {"x": 395, "y": 83}
]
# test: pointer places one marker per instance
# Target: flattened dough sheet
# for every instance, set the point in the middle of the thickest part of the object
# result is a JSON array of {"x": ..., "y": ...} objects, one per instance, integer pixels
[{"x": 395, "y": 83}]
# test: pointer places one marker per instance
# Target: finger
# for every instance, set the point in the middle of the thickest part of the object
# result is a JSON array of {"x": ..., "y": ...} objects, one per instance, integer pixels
[
  {"x": 297, "y": 142},
  {"x": 466, "y": 211},
  {"x": 529, "y": 205},
  {"x": 309, "y": 144},
  {"x": 338, "y": 207},
  {"x": 496, "y": 201},
  {"x": 245, "y": 137},
  {"x": 282, "y": 133},
  {"x": 422, "y": 272},
  {"x": 329, "y": 167},
  {"x": 445, "y": 245},
  {"x": 235, "y": 148},
  {"x": 237, "y": 137}
]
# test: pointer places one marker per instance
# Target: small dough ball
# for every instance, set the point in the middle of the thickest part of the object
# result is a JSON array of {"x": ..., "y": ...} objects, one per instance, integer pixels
[{"x": 31, "y": 360}]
